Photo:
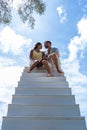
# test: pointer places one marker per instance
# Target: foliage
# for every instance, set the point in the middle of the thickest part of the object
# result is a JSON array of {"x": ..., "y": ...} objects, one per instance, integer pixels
[
  {"x": 5, "y": 12},
  {"x": 25, "y": 10}
]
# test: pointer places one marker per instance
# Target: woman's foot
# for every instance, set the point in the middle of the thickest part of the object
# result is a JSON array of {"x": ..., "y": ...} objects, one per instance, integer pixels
[{"x": 29, "y": 71}]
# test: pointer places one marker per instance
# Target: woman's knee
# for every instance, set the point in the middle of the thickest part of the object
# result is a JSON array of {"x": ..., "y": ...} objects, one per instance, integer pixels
[{"x": 37, "y": 62}]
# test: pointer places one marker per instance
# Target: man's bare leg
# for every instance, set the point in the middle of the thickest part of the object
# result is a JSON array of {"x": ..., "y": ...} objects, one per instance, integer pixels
[
  {"x": 55, "y": 61},
  {"x": 46, "y": 66}
]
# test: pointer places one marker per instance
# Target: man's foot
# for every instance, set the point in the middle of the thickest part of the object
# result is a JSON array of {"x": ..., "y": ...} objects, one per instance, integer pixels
[
  {"x": 49, "y": 75},
  {"x": 60, "y": 71}
]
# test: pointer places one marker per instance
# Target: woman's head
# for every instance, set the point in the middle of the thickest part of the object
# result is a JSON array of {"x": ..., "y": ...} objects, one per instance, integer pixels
[{"x": 38, "y": 45}]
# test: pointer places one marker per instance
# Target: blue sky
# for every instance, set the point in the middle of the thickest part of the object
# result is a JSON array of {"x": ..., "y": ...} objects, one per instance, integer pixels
[{"x": 65, "y": 24}]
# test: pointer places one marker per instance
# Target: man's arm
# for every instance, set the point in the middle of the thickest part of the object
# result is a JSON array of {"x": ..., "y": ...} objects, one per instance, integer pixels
[
  {"x": 44, "y": 56},
  {"x": 56, "y": 51}
]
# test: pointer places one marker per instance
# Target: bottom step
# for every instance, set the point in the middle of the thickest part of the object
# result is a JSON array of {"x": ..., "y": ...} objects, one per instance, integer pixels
[{"x": 43, "y": 123}]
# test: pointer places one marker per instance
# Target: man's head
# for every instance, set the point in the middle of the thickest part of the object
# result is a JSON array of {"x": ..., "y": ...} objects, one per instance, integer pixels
[{"x": 47, "y": 44}]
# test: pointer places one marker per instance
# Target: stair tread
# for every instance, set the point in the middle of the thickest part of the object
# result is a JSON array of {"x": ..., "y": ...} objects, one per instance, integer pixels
[
  {"x": 47, "y": 118},
  {"x": 43, "y": 106}
]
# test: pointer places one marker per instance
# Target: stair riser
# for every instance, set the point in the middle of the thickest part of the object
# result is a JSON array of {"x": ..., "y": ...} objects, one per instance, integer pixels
[
  {"x": 43, "y": 91},
  {"x": 52, "y": 85},
  {"x": 33, "y": 75},
  {"x": 28, "y": 79},
  {"x": 15, "y": 110},
  {"x": 34, "y": 100},
  {"x": 40, "y": 74},
  {"x": 26, "y": 124},
  {"x": 42, "y": 82}
]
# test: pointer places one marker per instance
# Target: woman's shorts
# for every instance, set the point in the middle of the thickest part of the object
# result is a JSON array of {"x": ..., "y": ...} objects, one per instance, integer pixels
[{"x": 40, "y": 64}]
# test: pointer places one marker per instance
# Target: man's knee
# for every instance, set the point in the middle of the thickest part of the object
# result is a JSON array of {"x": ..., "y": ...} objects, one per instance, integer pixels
[
  {"x": 44, "y": 62},
  {"x": 54, "y": 55}
]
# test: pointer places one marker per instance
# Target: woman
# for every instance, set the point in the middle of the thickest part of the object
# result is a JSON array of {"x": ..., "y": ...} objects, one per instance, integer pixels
[{"x": 38, "y": 59}]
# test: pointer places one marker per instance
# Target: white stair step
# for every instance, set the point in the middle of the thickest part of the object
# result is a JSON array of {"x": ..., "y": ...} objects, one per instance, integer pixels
[
  {"x": 43, "y": 103},
  {"x": 43, "y": 123},
  {"x": 44, "y": 100},
  {"x": 30, "y": 80},
  {"x": 41, "y": 83},
  {"x": 42, "y": 91},
  {"x": 35, "y": 70},
  {"x": 54, "y": 84},
  {"x": 40, "y": 74},
  {"x": 26, "y": 110},
  {"x": 42, "y": 79}
]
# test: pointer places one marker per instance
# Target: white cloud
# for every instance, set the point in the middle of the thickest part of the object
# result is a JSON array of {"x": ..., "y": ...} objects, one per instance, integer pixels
[
  {"x": 5, "y": 61},
  {"x": 12, "y": 42},
  {"x": 82, "y": 25},
  {"x": 77, "y": 80},
  {"x": 60, "y": 10},
  {"x": 3, "y": 111},
  {"x": 79, "y": 42},
  {"x": 62, "y": 14},
  {"x": 9, "y": 77}
]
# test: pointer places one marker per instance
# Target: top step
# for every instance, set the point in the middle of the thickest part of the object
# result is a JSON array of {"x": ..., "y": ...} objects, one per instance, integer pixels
[
  {"x": 38, "y": 77},
  {"x": 42, "y": 72}
]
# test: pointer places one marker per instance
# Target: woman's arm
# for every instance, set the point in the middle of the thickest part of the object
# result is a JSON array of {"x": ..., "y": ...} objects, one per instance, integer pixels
[{"x": 31, "y": 54}]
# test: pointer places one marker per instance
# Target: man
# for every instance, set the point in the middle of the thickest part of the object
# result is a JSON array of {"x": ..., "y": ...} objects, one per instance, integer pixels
[
  {"x": 38, "y": 60},
  {"x": 53, "y": 55}
]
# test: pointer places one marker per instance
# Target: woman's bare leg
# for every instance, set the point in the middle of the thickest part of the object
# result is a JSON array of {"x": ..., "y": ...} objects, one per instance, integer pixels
[
  {"x": 33, "y": 66},
  {"x": 45, "y": 63}
]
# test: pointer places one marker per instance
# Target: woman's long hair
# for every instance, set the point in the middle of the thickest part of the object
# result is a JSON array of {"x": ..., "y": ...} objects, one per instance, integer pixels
[{"x": 36, "y": 45}]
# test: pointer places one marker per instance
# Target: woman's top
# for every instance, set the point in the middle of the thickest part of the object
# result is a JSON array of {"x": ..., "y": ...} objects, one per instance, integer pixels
[{"x": 37, "y": 55}]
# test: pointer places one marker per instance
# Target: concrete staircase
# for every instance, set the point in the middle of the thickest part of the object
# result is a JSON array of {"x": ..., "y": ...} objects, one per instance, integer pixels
[{"x": 43, "y": 103}]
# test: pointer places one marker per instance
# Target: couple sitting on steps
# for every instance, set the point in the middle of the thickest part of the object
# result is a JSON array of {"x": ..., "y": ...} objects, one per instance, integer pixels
[{"x": 40, "y": 59}]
